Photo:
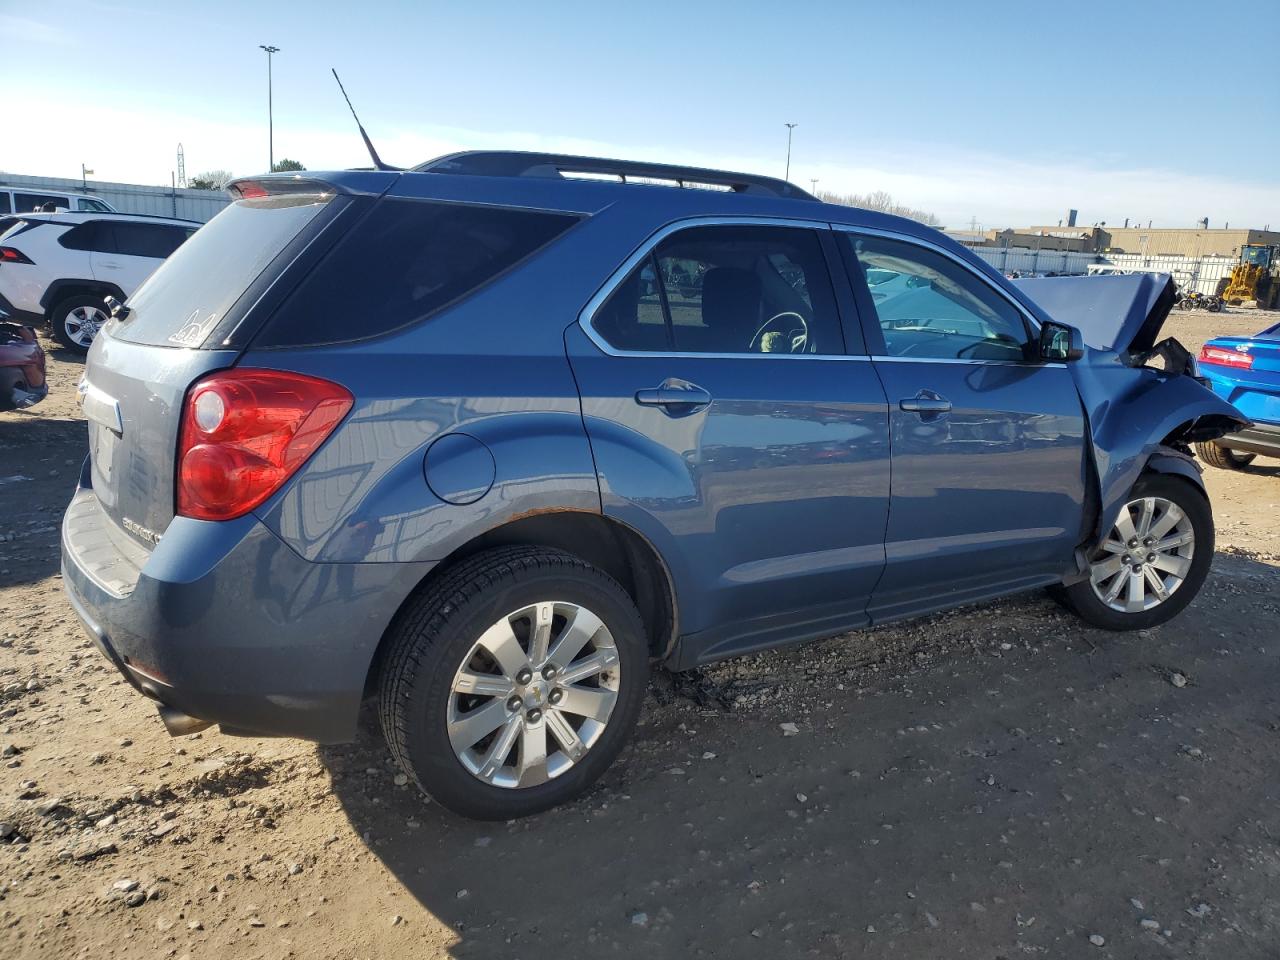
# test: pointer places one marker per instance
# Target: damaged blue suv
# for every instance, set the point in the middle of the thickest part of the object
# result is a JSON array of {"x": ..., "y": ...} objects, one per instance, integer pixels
[{"x": 485, "y": 439}]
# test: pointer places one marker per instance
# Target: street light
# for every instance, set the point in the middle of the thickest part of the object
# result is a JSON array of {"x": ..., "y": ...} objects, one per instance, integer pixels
[
  {"x": 271, "y": 153},
  {"x": 813, "y": 182},
  {"x": 790, "y": 127}
]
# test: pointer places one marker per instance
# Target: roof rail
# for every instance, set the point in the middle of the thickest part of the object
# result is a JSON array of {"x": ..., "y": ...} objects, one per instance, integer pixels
[
  {"x": 111, "y": 213},
  {"x": 503, "y": 163}
]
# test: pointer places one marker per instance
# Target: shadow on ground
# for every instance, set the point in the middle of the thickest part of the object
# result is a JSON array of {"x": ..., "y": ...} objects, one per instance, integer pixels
[
  {"x": 40, "y": 460},
  {"x": 997, "y": 802}
]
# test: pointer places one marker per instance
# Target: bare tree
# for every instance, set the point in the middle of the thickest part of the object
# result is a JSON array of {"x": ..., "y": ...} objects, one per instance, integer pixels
[
  {"x": 211, "y": 180},
  {"x": 883, "y": 202}
]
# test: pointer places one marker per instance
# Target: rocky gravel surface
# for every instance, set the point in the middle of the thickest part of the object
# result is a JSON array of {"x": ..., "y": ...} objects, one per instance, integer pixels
[{"x": 995, "y": 782}]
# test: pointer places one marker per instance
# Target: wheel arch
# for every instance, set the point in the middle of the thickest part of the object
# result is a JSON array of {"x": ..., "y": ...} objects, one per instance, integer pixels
[
  {"x": 61, "y": 290},
  {"x": 613, "y": 546}
]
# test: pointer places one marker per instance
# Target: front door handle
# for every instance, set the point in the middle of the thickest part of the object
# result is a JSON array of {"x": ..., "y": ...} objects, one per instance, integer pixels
[
  {"x": 675, "y": 396},
  {"x": 928, "y": 404}
]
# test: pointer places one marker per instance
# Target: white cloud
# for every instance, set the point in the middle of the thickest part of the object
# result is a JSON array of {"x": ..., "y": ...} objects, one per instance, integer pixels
[{"x": 132, "y": 146}]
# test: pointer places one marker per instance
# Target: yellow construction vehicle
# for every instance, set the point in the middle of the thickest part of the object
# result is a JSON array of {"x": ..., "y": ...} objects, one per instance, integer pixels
[{"x": 1253, "y": 281}]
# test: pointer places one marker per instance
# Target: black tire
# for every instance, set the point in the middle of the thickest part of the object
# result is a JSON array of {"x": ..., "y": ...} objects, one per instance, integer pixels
[
  {"x": 58, "y": 319},
  {"x": 436, "y": 630},
  {"x": 1221, "y": 457},
  {"x": 1080, "y": 597}
]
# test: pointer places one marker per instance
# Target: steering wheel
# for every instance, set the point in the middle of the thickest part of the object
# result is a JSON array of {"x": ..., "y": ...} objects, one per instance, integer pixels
[{"x": 799, "y": 340}]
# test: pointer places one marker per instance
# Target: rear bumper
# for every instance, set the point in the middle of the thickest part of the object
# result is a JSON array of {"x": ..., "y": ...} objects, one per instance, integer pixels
[
  {"x": 1263, "y": 438},
  {"x": 223, "y": 622}
]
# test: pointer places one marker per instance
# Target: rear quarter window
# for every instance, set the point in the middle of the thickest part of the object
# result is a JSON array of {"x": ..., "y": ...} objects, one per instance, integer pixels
[
  {"x": 89, "y": 236},
  {"x": 405, "y": 261}
]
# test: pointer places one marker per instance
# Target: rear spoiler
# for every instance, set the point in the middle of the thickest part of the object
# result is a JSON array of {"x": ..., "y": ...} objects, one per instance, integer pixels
[{"x": 369, "y": 183}]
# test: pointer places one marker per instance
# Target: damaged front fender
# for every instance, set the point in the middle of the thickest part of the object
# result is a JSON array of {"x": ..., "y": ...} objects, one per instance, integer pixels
[{"x": 1142, "y": 418}]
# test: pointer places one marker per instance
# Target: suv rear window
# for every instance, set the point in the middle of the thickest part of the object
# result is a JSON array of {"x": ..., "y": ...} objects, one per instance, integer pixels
[
  {"x": 403, "y": 262},
  {"x": 191, "y": 291}
]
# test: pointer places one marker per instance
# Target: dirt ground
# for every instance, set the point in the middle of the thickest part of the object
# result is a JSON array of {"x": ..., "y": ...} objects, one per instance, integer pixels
[{"x": 995, "y": 782}]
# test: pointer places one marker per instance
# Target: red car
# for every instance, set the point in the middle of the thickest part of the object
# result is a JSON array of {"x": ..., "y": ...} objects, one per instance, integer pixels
[{"x": 22, "y": 381}]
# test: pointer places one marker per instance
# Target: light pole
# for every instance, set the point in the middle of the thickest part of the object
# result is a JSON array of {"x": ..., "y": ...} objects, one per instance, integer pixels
[
  {"x": 790, "y": 127},
  {"x": 271, "y": 151},
  {"x": 84, "y": 174},
  {"x": 813, "y": 182}
]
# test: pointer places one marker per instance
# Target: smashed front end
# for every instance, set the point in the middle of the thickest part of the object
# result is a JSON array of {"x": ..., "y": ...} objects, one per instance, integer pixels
[{"x": 1144, "y": 400}]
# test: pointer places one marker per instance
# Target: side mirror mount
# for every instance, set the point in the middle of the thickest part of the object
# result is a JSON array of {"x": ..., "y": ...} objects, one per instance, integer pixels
[{"x": 1060, "y": 343}]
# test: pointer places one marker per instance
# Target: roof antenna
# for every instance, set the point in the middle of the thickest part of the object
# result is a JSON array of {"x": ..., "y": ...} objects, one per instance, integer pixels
[{"x": 373, "y": 154}]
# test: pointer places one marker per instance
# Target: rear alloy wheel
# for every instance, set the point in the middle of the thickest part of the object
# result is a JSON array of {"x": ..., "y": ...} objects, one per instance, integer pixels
[
  {"x": 534, "y": 694},
  {"x": 513, "y": 682},
  {"x": 1152, "y": 562},
  {"x": 77, "y": 320},
  {"x": 1224, "y": 458}
]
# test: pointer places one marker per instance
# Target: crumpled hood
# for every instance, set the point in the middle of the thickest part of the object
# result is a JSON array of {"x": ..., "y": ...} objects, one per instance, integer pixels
[{"x": 1121, "y": 313}]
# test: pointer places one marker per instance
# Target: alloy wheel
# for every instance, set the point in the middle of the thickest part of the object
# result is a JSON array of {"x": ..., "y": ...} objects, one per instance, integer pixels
[
  {"x": 1146, "y": 556},
  {"x": 533, "y": 694},
  {"x": 83, "y": 323}
]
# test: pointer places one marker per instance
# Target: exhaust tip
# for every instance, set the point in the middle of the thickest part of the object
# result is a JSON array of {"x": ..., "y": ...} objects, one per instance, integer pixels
[{"x": 180, "y": 724}]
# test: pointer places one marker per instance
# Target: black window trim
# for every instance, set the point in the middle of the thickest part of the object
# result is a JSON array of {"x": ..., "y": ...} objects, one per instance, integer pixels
[
  {"x": 586, "y": 317},
  {"x": 870, "y": 319}
]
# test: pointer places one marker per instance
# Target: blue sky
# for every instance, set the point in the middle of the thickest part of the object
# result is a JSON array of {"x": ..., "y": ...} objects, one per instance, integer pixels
[{"x": 1007, "y": 113}]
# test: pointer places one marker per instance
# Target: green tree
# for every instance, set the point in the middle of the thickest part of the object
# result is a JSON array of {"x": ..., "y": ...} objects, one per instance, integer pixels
[
  {"x": 211, "y": 180},
  {"x": 286, "y": 166}
]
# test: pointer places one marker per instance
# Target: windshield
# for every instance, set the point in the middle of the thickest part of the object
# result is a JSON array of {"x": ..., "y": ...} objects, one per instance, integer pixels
[{"x": 192, "y": 290}]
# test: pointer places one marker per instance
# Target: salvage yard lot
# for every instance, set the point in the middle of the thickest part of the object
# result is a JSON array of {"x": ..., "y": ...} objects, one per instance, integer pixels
[{"x": 996, "y": 782}]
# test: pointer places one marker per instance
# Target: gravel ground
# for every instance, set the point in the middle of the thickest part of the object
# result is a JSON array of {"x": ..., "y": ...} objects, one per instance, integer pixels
[{"x": 994, "y": 782}]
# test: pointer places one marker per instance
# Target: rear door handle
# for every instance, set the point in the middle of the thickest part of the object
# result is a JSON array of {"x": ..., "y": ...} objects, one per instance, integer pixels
[
  {"x": 676, "y": 396},
  {"x": 109, "y": 264}
]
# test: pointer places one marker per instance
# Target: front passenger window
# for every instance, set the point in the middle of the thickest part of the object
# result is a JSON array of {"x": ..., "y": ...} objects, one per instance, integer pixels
[{"x": 930, "y": 307}]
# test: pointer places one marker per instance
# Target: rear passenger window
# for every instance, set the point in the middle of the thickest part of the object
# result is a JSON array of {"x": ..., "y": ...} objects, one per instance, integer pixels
[
  {"x": 403, "y": 262},
  {"x": 632, "y": 317},
  {"x": 4, "y": 202},
  {"x": 155, "y": 240},
  {"x": 727, "y": 290},
  {"x": 36, "y": 202}
]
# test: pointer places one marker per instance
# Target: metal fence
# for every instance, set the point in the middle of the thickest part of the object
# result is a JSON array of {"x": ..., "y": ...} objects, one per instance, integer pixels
[
  {"x": 201, "y": 205},
  {"x": 1009, "y": 259},
  {"x": 1202, "y": 274}
]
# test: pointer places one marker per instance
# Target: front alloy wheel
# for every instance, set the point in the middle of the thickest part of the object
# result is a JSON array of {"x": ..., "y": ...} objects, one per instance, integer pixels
[
  {"x": 1146, "y": 557},
  {"x": 1152, "y": 562}
]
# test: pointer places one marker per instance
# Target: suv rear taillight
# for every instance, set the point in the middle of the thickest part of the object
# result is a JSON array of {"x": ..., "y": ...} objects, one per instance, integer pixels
[
  {"x": 12, "y": 255},
  {"x": 245, "y": 432},
  {"x": 1226, "y": 358}
]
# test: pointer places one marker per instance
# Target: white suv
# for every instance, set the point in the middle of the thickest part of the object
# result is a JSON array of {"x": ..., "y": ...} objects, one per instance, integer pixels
[
  {"x": 14, "y": 200},
  {"x": 59, "y": 267}
]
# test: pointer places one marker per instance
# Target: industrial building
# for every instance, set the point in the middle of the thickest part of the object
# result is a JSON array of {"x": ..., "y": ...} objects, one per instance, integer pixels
[{"x": 1191, "y": 242}]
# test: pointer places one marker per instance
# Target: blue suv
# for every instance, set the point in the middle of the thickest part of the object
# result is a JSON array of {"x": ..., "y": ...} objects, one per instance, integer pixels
[{"x": 485, "y": 439}]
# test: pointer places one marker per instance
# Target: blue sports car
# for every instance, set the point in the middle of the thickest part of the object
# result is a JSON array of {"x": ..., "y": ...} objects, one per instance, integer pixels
[{"x": 1245, "y": 371}]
